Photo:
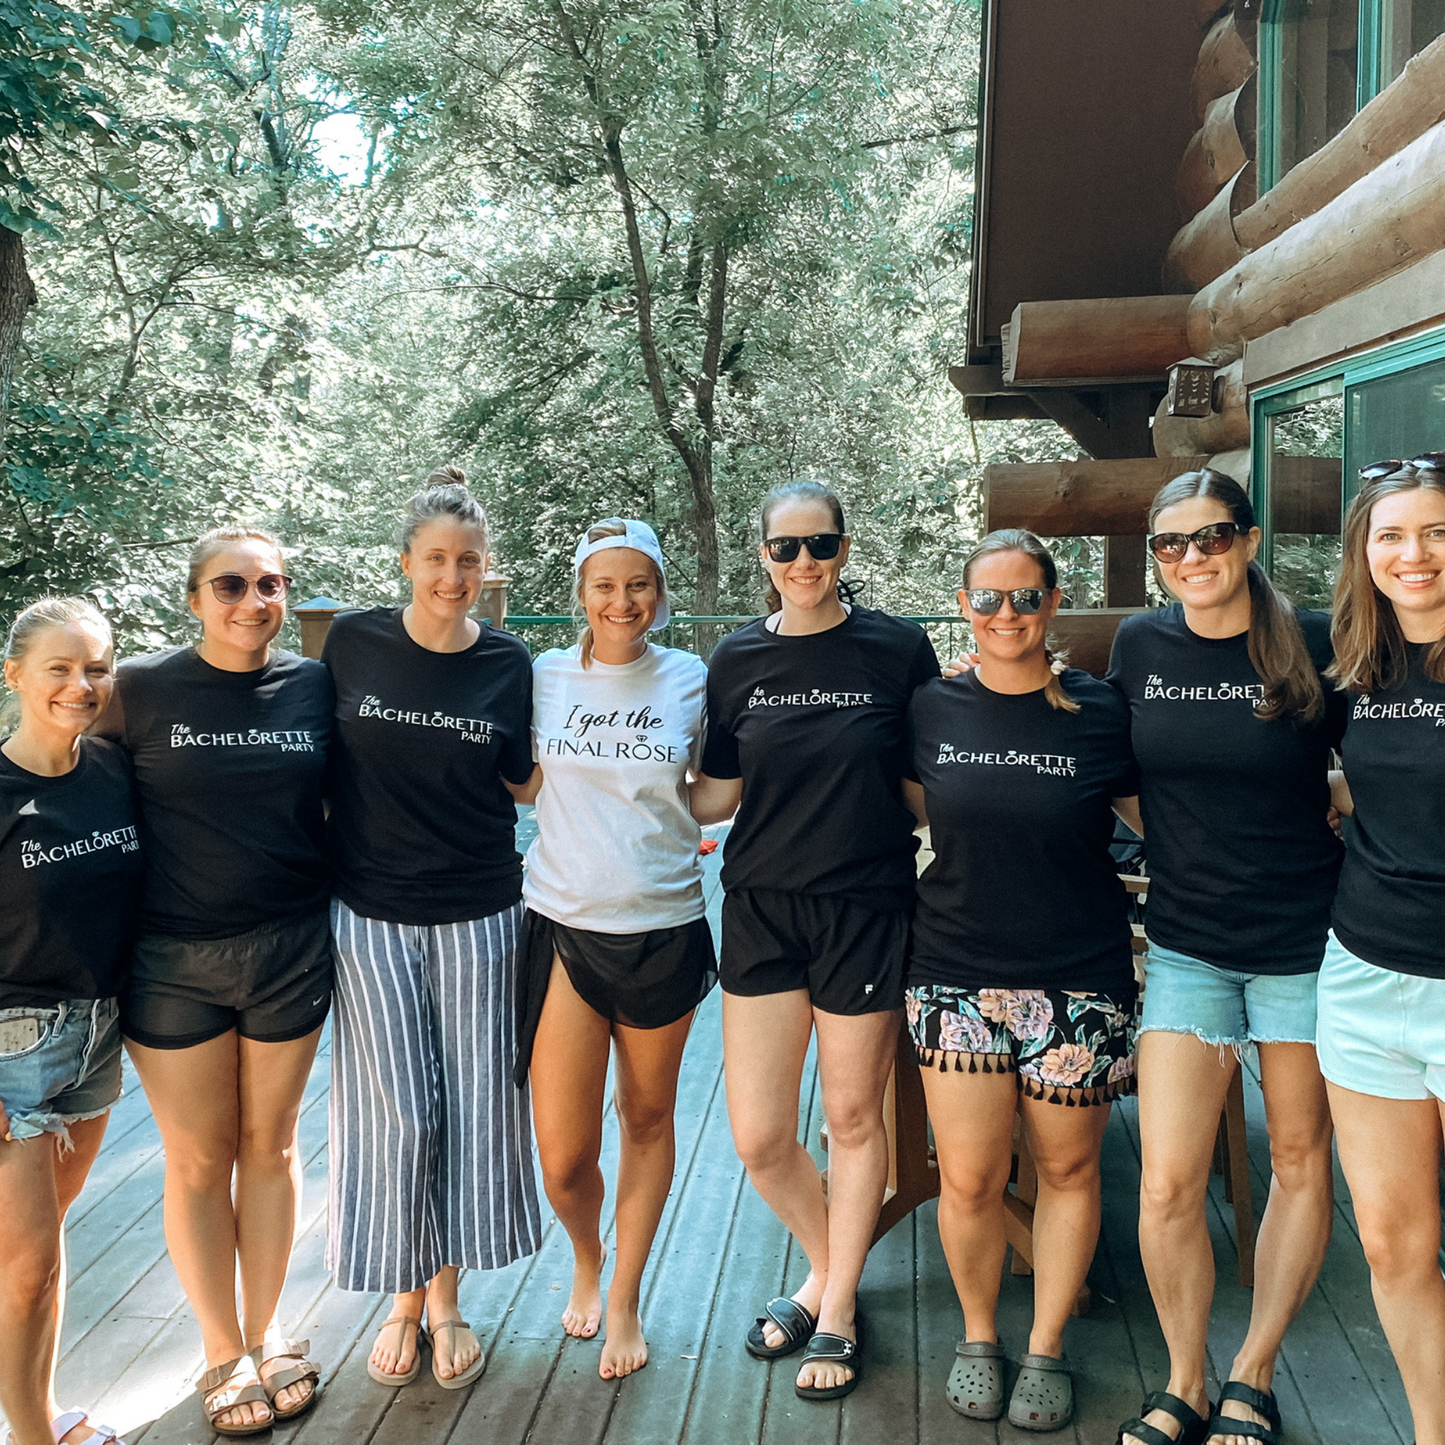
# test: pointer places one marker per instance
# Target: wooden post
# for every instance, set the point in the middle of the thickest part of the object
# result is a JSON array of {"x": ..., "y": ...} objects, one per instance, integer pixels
[
  {"x": 315, "y": 618},
  {"x": 492, "y": 604},
  {"x": 1125, "y": 560}
]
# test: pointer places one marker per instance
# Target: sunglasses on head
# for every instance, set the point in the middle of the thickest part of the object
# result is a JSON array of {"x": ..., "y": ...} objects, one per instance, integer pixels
[
  {"x": 1211, "y": 540},
  {"x": 822, "y": 547},
  {"x": 987, "y": 600},
  {"x": 231, "y": 587},
  {"x": 1426, "y": 461}
]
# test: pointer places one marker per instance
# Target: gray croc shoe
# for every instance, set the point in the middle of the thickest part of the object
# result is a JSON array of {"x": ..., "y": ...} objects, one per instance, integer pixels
[
  {"x": 1043, "y": 1397},
  {"x": 975, "y": 1384}
]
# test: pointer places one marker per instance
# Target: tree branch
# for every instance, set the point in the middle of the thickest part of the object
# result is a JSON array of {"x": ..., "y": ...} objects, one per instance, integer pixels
[{"x": 893, "y": 140}]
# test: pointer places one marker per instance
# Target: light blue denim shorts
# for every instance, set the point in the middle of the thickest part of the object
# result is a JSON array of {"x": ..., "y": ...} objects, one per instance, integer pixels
[
  {"x": 1381, "y": 1032},
  {"x": 1184, "y": 995},
  {"x": 71, "y": 1072}
]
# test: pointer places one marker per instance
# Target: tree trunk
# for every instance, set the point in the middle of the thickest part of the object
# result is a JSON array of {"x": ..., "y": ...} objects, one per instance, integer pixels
[{"x": 17, "y": 296}]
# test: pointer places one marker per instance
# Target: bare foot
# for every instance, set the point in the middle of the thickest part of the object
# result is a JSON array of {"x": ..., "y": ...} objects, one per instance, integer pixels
[
  {"x": 811, "y": 1299},
  {"x": 583, "y": 1316},
  {"x": 454, "y": 1352},
  {"x": 394, "y": 1352},
  {"x": 828, "y": 1374},
  {"x": 624, "y": 1350}
]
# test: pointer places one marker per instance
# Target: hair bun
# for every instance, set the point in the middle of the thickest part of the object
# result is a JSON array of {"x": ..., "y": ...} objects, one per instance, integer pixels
[{"x": 447, "y": 476}]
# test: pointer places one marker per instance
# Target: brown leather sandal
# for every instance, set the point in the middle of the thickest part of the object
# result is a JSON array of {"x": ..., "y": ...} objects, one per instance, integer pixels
[
  {"x": 220, "y": 1392},
  {"x": 297, "y": 1374}
]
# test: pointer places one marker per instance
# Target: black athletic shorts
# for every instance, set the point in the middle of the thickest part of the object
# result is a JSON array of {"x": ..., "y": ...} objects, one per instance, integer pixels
[
  {"x": 849, "y": 958},
  {"x": 271, "y": 984}
]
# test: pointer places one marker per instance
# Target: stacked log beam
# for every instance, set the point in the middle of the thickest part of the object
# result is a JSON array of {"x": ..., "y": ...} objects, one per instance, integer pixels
[
  {"x": 1226, "y": 61},
  {"x": 1209, "y": 245},
  {"x": 1221, "y": 431},
  {"x": 1219, "y": 148},
  {"x": 1069, "y": 343}
]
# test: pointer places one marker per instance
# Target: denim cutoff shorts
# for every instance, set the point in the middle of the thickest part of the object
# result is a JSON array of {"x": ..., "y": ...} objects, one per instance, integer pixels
[
  {"x": 70, "y": 1073},
  {"x": 1381, "y": 1032},
  {"x": 1184, "y": 995}
]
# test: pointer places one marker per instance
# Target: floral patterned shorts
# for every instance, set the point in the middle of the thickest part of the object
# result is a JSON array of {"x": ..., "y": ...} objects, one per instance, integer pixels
[{"x": 1067, "y": 1048}]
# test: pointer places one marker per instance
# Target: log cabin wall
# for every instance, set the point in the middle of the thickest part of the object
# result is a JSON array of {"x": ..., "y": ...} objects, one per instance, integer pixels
[{"x": 1346, "y": 250}]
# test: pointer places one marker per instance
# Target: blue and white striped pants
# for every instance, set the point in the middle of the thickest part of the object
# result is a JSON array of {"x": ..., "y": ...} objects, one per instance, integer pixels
[{"x": 431, "y": 1142}]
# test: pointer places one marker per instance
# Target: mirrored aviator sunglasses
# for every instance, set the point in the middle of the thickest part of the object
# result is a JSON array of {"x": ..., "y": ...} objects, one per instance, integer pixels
[
  {"x": 822, "y": 547},
  {"x": 1423, "y": 462},
  {"x": 231, "y": 587},
  {"x": 987, "y": 600}
]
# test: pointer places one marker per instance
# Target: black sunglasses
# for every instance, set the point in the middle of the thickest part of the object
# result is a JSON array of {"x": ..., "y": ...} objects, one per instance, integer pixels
[
  {"x": 822, "y": 547},
  {"x": 1426, "y": 461},
  {"x": 987, "y": 600},
  {"x": 231, "y": 587},
  {"x": 1211, "y": 540}
]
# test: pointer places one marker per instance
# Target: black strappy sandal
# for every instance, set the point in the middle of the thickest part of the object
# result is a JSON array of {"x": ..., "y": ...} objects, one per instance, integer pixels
[
  {"x": 1262, "y": 1402},
  {"x": 789, "y": 1316},
  {"x": 836, "y": 1348},
  {"x": 1194, "y": 1427}
]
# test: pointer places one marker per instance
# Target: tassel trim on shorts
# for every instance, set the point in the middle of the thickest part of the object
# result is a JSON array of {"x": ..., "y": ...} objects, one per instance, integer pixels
[
  {"x": 977, "y": 1063},
  {"x": 946, "y": 1060}
]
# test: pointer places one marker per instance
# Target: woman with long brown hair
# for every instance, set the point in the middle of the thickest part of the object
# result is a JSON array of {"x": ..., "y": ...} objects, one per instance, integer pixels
[
  {"x": 1382, "y": 986},
  {"x": 1232, "y": 727}
]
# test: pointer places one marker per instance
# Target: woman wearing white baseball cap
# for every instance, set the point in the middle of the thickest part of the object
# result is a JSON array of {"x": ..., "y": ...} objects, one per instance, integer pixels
[{"x": 616, "y": 952}]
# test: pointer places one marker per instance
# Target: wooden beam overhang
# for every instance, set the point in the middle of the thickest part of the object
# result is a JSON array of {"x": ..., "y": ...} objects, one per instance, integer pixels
[{"x": 1104, "y": 342}]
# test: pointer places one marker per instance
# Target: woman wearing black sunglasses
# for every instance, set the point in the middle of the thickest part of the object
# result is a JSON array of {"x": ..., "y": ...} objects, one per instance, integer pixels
[
  {"x": 1021, "y": 990},
  {"x": 1232, "y": 727},
  {"x": 1382, "y": 987},
  {"x": 231, "y": 977},
  {"x": 806, "y": 711}
]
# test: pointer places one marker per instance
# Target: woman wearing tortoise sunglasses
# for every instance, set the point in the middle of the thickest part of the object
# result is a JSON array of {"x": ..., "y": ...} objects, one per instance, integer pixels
[
  {"x": 231, "y": 976},
  {"x": 1232, "y": 728},
  {"x": 806, "y": 715},
  {"x": 1382, "y": 986}
]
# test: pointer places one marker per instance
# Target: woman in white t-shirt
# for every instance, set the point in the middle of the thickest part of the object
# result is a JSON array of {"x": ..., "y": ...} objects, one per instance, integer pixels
[{"x": 617, "y": 952}]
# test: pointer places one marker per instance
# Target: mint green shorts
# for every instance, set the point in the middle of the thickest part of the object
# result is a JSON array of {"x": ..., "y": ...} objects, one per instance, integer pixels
[{"x": 1380, "y": 1032}]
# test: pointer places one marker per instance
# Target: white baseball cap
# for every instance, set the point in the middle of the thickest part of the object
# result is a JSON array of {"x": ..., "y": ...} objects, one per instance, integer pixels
[{"x": 641, "y": 538}]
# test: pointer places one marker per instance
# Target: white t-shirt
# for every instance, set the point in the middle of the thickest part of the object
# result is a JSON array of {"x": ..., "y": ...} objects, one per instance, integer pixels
[{"x": 617, "y": 848}]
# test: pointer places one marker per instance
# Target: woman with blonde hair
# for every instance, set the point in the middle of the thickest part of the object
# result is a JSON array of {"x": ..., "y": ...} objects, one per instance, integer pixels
[
  {"x": 431, "y": 1158},
  {"x": 1021, "y": 993},
  {"x": 1382, "y": 985},
  {"x": 70, "y": 880},
  {"x": 618, "y": 951},
  {"x": 230, "y": 981}
]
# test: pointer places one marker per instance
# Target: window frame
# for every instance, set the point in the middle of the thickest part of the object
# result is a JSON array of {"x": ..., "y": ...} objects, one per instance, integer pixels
[
  {"x": 1368, "y": 79},
  {"x": 1336, "y": 378}
]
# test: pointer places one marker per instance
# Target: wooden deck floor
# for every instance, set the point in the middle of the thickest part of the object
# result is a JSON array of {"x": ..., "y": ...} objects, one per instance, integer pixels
[{"x": 130, "y": 1345}]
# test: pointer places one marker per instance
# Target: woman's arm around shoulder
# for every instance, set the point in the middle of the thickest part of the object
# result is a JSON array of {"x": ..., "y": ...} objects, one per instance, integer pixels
[
  {"x": 1127, "y": 809},
  {"x": 526, "y": 792},
  {"x": 713, "y": 800}
]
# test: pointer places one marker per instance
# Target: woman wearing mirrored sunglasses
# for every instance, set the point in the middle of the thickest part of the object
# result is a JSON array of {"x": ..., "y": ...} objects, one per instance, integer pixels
[
  {"x": 231, "y": 976},
  {"x": 1232, "y": 726},
  {"x": 1382, "y": 986},
  {"x": 806, "y": 714},
  {"x": 1021, "y": 991}
]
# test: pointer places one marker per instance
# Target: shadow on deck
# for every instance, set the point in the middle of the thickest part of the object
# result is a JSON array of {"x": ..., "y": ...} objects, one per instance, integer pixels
[{"x": 131, "y": 1346}]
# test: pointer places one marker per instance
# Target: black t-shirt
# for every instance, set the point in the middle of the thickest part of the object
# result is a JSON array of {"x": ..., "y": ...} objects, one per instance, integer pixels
[
  {"x": 229, "y": 767},
  {"x": 1022, "y": 891},
  {"x": 815, "y": 727},
  {"x": 70, "y": 879},
  {"x": 422, "y": 830},
  {"x": 1242, "y": 859},
  {"x": 1391, "y": 905}
]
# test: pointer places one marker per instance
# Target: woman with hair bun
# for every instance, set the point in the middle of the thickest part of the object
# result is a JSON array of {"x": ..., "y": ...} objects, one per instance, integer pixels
[
  {"x": 806, "y": 742},
  {"x": 1232, "y": 727},
  {"x": 1382, "y": 986},
  {"x": 618, "y": 951},
  {"x": 70, "y": 880},
  {"x": 1021, "y": 993},
  {"x": 431, "y": 1158},
  {"x": 230, "y": 981}
]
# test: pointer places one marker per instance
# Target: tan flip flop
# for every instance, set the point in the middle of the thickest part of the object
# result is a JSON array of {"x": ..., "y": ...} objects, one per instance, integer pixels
[
  {"x": 472, "y": 1372},
  {"x": 394, "y": 1381},
  {"x": 220, "y": 1392}
]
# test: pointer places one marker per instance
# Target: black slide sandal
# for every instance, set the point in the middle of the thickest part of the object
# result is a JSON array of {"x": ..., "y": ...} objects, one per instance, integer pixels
[
  {"x": 830, "y": 1347},
  {"x": 1262, "y": 1402},
  {"x": 1192, "y": 1424},
  {"x": 789, "y": 1316}
]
